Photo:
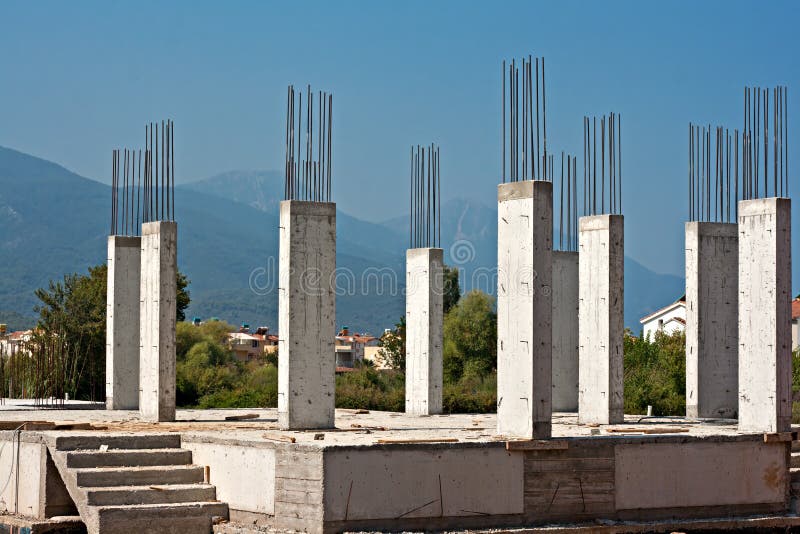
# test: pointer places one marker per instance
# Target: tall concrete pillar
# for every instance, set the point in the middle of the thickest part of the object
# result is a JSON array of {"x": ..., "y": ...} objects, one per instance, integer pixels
[
  {"x": 307, "y": 314},
  {"x": 158, "y": 317},
  {"x": 565, "y": 331},
  {"x": 524, "y": 309},
  {"x": 712, "y": 328},
  {"x": 424, "y": 306},
  {"x": 601, "y": 316},
  {"x": 122, "y": 323},
  {"x": 765, "y": 338}
]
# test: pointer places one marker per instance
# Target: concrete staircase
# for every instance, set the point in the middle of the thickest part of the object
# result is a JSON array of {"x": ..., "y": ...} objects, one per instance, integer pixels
[{"x": 140, "y": 483}]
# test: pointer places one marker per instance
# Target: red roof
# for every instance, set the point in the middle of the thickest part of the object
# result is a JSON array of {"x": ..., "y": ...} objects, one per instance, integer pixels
[{"x": 795, "y": 309}]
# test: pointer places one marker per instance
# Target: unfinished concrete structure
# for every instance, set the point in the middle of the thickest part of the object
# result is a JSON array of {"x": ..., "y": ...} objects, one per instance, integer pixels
[
  {"x": 122, "y": 322},
  {"x": 158, "y": 313},
  {"x": 524, "y": 308},
  {"x": 424, "y": 306},
  {"x": 565, "y": 331},
  {"x": 712, "y": 355},
  {"x": 601, "y": 312},
  {"x": 307, "y": 314},
  {"x": 765, "y": 284}
]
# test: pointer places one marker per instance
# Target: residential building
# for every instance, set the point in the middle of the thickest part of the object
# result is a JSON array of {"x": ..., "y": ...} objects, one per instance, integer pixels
[
  {"x": 795, "y": 323},
  {"x": 350, "y": 347},
  {"x": 669, "y": 319},
  {"x": 248, "y": 347}
]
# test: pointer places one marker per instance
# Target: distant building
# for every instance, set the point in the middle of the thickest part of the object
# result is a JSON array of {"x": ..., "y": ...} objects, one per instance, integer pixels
[
  {"x": 248, "y": 347},
  {"x": 795, "y": 322},
  {"x": 15, "y": 342},
  {"x": 351, "y": 347},
  {"x": 668, "y": 319}
]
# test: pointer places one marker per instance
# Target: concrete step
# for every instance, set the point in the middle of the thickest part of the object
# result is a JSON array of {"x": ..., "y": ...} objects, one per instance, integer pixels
[
  {"x": 160, "y": 518},
  {"x": 794, "y": 474},
  {"x": 795, "y": 462},
  {"x": 128, "y": 457},
  {"x": 138, "y": 476},
  {"x": 117, "y": 441},
  {"x": 155, "y": 494}
]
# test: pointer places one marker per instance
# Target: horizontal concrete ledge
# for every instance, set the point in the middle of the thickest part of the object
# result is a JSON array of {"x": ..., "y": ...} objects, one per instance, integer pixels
[
  {"x": 712, "y": 229},
  {"x": 758, "y": 523},
  {"x": 762, "y": 206},
  {"x": 126, "y": 241},
  {"x": 520, "y": 190},
  {"x": 307, "y": 207},
  {"x": 155, "y": 227},
  {"x": 589, "y": 223},
  {"x": 414, "y": 252}
]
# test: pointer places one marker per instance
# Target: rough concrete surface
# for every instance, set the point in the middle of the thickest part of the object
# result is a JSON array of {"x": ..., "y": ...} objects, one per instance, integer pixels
[
  {"x": 765, "y": 339},
  {"x": 712, "y": 326},
  {"x": 122, "y": 323},
  {"x": 524, "y": 309},
  {"x": 565, "y": 331},
  {"x": 307, "y": 314},
  {"x": 424, "y": 307},
  {"x": 158, "y": 292},
  {"x": 601, "y": 313}
]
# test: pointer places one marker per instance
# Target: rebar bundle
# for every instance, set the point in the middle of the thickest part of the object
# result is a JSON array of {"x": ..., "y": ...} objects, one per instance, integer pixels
[
  {"x": 308, "y": 175},
  {"x": 756, "y": 144},
  {"x": 609, "y": 200},
  {"x": 425, "y": 229},
  {"x": 568, "y": 218},
  {"x": 713, "y": 201},
  {"x": 526, "y": 138}
]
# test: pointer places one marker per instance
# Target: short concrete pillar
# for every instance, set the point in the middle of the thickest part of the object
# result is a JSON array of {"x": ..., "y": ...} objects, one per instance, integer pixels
[
  {"x": 565, "y": 331},
  {"x": 765, "y": 338},
  {"x": 712, "y": 327},
  {"x": 524, "y": 309},
  {"x": 424, "y": 305},
  {"x": 307, "y": 314},
  {"x": 158, "y": 317},
  {"x": 601, "y": 316},
  {"x": 122, "y": 323}
]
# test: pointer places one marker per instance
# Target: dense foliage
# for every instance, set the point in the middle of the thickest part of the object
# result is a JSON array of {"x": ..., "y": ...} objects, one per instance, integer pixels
[{"x": 655, "y": 374}]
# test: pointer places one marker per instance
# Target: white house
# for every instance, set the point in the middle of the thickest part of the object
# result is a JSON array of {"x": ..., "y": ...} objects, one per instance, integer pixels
[{"x": 668, "y": 319}]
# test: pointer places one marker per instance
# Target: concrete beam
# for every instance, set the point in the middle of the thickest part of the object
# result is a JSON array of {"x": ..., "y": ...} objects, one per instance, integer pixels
[
  {"x": 158, "y": 291},
  {"x": 424, "y": 305},
  {"x": 765, "y": 339},
  {"x": 565, "y": 331},
  {"x": 712, "y": 327},
  {"x": 122, "y": 323},
  {"x": 307, "y": 313},
  {"x": 524, "y": 309},
  {"x": 601, "y": 313}
]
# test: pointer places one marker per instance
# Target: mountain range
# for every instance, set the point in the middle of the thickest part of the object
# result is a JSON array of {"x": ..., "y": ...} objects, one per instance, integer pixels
[{"x": 54, "y": 222}]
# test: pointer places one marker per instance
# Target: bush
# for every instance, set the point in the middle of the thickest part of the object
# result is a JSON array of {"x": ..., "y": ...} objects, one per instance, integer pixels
[{"x": 655, "y": 374}]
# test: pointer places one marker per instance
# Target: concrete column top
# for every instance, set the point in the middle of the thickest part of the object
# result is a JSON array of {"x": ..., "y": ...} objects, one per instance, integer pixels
[
  {"x": 125, "y": 241},
  {"x": 759, "y": 206},
  {"x": 155, "y": 227},
  {"x": 519, "y": 190},
  {"x": 307, "y": 207},
  {"x": 702, "y": 228},
  {"x": 588, "y": 223}
]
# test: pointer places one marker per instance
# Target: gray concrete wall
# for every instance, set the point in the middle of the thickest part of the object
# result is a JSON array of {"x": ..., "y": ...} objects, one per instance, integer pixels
[
  {"x": 712, "y": 326},
  {"x": 122, "y": 323},
  {"x": 600, "y": 312},
  {"x": 765, "y": 284},
  {"x": 307, "y": 314},
  {"x": 424, "y": 300},
  {"x": 158, "y": 291},
  {"x": 565, "y": 331},
  {"x": 524, "y": 309}
]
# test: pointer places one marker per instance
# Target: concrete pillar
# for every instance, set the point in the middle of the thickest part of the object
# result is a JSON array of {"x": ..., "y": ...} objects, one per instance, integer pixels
[
  {"x": 158, "y": 317},
  {"x": 712, "y": 328},
  {"x": 424, "y": 305},
  {"x": 765, "y": 284},
  {"x": 601, "y": 316},
  {"x": 307, "y": 314},
  {"x": 524, "y": 309},
  {"x": 122, "y": 323},
  {"x": 565, "y": 331}
]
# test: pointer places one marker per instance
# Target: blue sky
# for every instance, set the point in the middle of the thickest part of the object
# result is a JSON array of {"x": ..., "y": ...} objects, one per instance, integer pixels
[{"x": 79, "y": 78}]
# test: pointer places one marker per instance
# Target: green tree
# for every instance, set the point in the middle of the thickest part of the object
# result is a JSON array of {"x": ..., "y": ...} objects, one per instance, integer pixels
[
  {"x": 655, "y": 373},
  {"x": 392, "y": 352},
  {"x": 470, "y": 337},
  {"x": 451, "y": 288}
]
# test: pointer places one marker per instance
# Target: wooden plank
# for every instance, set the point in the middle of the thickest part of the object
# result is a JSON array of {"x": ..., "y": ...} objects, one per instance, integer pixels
[
  {"x": 647, "y": 430},
  {"x": 573, "y": 465},
  {"x": 279, "y": 437},
  {"x": 778, "y": 437},
  {"x": 537, "y": 445},
  {"x": 242, "y": 417},
  {"x": 433, "y": 440}
]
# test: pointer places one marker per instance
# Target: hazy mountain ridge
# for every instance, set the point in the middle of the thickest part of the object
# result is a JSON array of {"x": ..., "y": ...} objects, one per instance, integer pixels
[{"x": 53, "y": 222}]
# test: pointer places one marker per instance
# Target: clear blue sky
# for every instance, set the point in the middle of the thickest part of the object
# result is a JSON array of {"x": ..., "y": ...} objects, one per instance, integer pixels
[{"x": 78, "y": 78}]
